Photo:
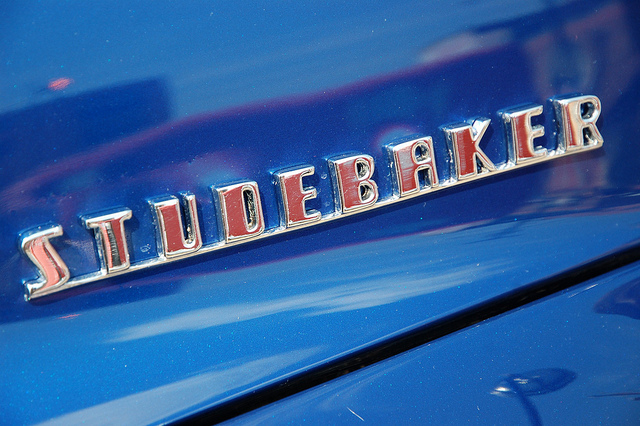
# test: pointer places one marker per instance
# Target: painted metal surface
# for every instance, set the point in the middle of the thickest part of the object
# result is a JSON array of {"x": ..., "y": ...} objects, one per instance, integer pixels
[
  {"x": 536, "y": 365},
  {"x": 238, "y": 207},
  {"x": 105, "y": 107}
]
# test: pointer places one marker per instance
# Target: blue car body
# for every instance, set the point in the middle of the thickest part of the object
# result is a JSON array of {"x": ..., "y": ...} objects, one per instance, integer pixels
[{"x": 508, "y": 299}]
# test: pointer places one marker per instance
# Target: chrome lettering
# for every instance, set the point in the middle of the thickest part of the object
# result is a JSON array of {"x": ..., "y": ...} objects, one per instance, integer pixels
[
  {"x": 463, "y": 141},
  {"x": 353, "y": 187},
  {"x": 111, "y": 240},
  {"x": 409, "y": 160},
  {"x": 240, "y": 211},
  {"x": 53, "y": 272},
  {"x": 576, "y": 119},
  {"x": 171, "y": 229},
  {"x": 520, "y": 134},
  {"x": 293, "y": 196}
]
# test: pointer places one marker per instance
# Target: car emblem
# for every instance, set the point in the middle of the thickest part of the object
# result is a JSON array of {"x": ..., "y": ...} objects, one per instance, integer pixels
[{"x": 239, "y": 210}]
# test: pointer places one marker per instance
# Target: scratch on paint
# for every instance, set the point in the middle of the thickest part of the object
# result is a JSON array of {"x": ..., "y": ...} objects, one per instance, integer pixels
[
  {"x": 69, "y": 316},
  {"x": 353, "y": 412}
]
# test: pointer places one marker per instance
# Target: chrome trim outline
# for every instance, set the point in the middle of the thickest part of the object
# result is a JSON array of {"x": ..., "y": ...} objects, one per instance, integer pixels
[
  {"x": 576, "y": 120},
  {"x": 170, "y": 228},
  {"x": 353, "y": 188},
  {"x": 53, "y": 272},
  {"x": 520, "y": 134},
  {"x": 410, "y": 160},
  {"x": 293, "y": 195},
  {"x": 469, "y": 161},
  {"x": 111, "y": 241},
  {"x": 239, "y": 211}
]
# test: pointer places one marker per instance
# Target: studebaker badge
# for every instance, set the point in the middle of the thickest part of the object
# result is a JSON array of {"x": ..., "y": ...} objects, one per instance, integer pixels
[{"x": 239, "y": 211}]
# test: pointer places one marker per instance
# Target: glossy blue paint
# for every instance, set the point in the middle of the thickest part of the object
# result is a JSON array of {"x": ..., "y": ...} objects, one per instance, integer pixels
[
  {"x": 167, "y": 99},
  {"x": 573, "y": 357}
]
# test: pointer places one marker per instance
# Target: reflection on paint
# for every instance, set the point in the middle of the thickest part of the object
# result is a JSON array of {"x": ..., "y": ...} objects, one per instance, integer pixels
[
  {"x": 351, "y": 284},
  {"x": 624, "y": 300},
  {"x": 145, "y": 407}
]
